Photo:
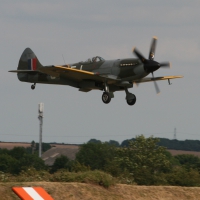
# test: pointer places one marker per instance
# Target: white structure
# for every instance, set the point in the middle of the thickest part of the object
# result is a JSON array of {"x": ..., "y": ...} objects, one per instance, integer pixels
[
  {"x": 40, "y": 117},
  {"x": 174, "y": 133}
]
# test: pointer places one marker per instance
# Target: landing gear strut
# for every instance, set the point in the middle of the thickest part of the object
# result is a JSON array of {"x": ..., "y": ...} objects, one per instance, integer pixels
[
  {"x": 107, "y": 95},
  {"x": 130, "y": 98},
  {"x": 33, "y": 86}
]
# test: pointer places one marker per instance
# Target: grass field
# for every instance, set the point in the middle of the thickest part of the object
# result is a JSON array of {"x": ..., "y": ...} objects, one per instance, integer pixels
[{"x": 77, "y": 191}]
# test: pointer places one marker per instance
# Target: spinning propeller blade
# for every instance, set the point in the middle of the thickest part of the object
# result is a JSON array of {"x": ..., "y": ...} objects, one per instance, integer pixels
[
  {"x": 165, "y": 65},
  {"x": 149, "y": 64},
  {"x": 152, "y": 48},
  {"x": 156, "y": 85},
  {"x": 139, "y": 55}
]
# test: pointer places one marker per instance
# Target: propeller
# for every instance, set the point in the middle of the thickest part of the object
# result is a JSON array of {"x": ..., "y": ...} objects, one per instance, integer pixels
[
  {"x": 156, "y": 85},
  {"x": 152, "y": 48},
  {"x": 149, "y": 64}
]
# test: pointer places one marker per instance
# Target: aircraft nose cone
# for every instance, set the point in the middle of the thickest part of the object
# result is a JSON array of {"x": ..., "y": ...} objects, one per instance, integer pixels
[{"x": 151, "y": 66}]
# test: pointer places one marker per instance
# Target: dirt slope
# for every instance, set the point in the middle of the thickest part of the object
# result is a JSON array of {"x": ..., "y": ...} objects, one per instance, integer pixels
[{"x": 77, "y": 191}]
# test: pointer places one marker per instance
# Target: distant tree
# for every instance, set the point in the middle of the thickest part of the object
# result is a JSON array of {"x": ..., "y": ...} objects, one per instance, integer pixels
[
  {"x": 94, "y": 141},
  {"x": 113, "y": 142},
  {"x": 125, "y": 143},
  {"x": 34, "y": 161},
  {"x": 17, "y": 152},
  {"x": 187, "y": 145},
  {"x": 144, "y": 159},
  {"x": 95, "y": 155},
  {"x": 33, "y": 146},
  {"x": 17, "y": 159},
  {"x": 4, "y": 151},
  {"x": 61, "y": 162},
  {"x": 8, "y": 164},
  {"x": 189, "y": 161},
  {"x": 45, "y": 147},
  {"x": 173, "y": 161}
]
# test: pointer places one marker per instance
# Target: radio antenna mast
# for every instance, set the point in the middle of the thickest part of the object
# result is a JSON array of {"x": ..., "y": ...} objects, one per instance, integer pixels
[
  {"x": 40, "y": 117},
  {"x": 174, "y": 133}
]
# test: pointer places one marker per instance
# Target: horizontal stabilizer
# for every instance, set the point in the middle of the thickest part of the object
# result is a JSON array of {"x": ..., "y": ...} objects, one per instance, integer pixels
[{"x": 24, "y": 71}]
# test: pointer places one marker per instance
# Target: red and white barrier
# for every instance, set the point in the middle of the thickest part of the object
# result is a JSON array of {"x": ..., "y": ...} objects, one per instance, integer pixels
[{"x": 32, "y": 193}]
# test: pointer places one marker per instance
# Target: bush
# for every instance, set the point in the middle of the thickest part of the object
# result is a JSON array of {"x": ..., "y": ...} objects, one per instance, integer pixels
[
  {"x": 32, "y": 175},
  {"x": 95, "y": 177},
  {"x": 182, "y": 177}
]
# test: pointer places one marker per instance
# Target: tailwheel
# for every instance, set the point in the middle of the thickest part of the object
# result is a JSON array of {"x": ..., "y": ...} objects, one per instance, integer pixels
[
  {"x": 33, "y": 86},
  {"x": 106, "y": 97},
  {"x": 130, "y": 98},
  {"x": 131, "y": 102}
]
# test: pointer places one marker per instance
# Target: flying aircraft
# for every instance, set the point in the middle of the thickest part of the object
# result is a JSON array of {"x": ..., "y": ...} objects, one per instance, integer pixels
[{"x": 95, "y": 73}]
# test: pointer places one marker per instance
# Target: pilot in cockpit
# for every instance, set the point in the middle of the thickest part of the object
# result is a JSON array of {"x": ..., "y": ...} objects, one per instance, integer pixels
[{"x": 94, "y": 59}]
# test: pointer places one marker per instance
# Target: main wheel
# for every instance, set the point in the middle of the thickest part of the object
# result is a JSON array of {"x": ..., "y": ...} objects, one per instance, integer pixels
[
  {"x": 106, "y": 97},
  {"x": 32, "y": 87},
  {"x": 131, "y": 102}
]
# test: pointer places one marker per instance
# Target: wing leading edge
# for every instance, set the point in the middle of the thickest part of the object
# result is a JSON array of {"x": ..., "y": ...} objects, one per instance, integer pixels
[
  {"x": 162, "y": 78},
  {"x": 77, "y": 74}
]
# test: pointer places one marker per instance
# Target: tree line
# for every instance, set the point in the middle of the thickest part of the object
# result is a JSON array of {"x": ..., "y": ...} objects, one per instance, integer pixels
[
  {"x": 187, "y": 145},
  {"x": 143, "y": 161}
]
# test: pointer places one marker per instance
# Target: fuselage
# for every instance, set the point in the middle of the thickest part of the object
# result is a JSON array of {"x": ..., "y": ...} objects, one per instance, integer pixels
[{"x": 127, "y": 70}]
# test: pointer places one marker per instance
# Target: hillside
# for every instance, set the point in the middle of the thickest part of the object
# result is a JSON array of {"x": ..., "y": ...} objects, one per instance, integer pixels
[
  {"x": 73, "y": 191},
  {"x": 11, "y": 145}
]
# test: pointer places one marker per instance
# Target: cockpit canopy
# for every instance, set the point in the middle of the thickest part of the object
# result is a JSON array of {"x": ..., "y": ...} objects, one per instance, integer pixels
[{"x": 95, "y": 59}]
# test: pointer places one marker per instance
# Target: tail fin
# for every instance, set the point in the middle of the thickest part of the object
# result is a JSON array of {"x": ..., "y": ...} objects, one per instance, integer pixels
[{"x": 28, "y": 61}]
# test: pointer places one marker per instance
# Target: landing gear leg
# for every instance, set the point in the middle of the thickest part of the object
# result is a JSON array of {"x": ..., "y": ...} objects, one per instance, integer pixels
[
  {"x": 130, "y": 98},
  {"x": 33, "y": 86},
  {"x": 107, "y": 95}
]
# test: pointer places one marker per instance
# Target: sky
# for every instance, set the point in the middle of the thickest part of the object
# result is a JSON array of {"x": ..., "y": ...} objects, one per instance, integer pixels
[{"x": 77, "y": 30}]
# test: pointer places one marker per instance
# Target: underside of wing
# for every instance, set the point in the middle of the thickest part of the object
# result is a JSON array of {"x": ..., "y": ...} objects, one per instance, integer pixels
[{"x": 148, "y": 79}]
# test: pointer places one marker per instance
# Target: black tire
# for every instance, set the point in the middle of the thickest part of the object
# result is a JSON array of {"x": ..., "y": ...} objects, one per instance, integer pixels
[
  {"x": 131, "y": 102},
  {"x": 32, "y": 87},
  {"x": 106, "y": 97}
]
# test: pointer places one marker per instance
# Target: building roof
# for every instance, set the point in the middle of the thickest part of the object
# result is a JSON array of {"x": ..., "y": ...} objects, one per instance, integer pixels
[{"x": 53, "y": 153}]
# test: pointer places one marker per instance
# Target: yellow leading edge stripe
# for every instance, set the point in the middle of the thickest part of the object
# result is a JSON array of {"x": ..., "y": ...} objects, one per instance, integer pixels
[
  {"x": 76, "y": 70},
  {"x": 171, "y": 77}
]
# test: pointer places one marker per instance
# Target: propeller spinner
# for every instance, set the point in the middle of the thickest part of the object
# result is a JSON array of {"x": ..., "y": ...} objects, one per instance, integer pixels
[{"x": 149, "y": 64}]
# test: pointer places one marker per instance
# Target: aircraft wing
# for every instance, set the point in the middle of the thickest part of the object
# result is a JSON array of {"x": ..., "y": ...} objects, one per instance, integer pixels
[
  {"x": 76, "y": 74},
  {"x": 148, "y": 79}
]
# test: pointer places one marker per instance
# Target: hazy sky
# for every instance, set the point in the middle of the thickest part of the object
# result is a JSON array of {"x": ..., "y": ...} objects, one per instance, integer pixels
[{"x": 82, "y": 29}]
